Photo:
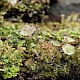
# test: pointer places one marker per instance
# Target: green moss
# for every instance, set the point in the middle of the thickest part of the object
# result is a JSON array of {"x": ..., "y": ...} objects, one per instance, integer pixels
[{"x": 42, "y": 51}]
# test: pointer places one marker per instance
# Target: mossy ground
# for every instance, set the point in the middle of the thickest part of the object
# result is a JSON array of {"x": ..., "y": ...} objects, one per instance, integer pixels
[
  {"x": 43, "y": 57},
  {"x": 38, "y": 51}
]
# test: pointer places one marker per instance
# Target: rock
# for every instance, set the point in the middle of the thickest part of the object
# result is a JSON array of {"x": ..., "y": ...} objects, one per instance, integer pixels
[{"x": 66, "y": 7}]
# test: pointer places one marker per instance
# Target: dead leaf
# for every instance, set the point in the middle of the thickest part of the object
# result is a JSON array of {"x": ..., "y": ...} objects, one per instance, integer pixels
[
  {"x": 28, "y": 62},
  {"x": 20, "y": 49},
  {"x": 1, "y": 62},
  {"x": 28, "y": 30},
  {"x": 68, "y": 49}
]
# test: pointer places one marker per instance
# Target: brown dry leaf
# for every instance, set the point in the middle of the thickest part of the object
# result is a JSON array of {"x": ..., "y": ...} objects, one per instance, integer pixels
[
  {"x": 5, "y": 45},
  {"x": 28, "y": 62},
  {"x": 33, "y": 1},
  {"x": 9, "y": 37},
  {"x": 48, "y": 48},
  {"x": 46, "y": 45},
  {"x": 1, "y": 62},
  {"x": 46, "y": 1},
  {"x": 20, "y": 49},
  {"x": 78, "y": 48}
]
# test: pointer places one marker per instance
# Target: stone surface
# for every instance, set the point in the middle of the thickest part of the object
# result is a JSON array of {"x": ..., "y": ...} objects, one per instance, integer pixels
[
  {"x": 67, "y": 8},
  {"x": 68, "y": 2}
]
